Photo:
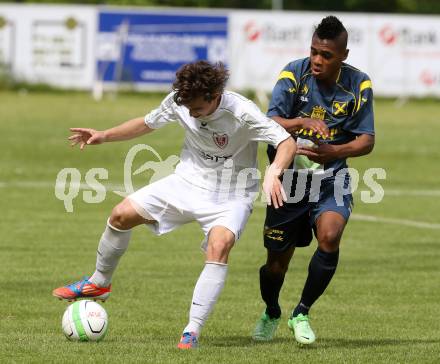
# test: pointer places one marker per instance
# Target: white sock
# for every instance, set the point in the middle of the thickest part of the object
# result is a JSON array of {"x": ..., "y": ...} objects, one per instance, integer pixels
[
  {"x": 112, "y": 246},
  {"x": 206, "y": 292}
]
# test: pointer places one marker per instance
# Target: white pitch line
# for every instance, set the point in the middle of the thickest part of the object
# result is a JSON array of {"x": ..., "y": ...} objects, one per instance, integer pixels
[
  {"x": 389, "y": 220},
  {"x": 112, "y": 187},
  {"x": 53, "y": 185},
  {"x": 407, "y": 193},
  {"x": 356, "y": 217}
]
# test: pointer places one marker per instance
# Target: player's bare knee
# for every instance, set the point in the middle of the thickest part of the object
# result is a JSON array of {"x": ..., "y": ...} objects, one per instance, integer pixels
[
  {"x": 119, "y": 217},
  {"x": 277, "y": 263},
  {"x": 328, "y": 240},
  {"x": 220, "y": 241},
  {"x": 221, "y": 246},
  {"x": 275, "y": 268}
]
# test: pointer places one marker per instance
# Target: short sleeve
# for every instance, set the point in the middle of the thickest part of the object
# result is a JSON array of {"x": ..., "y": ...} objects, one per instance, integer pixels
[
  {"x": 263, "y": 129},
  {"x": 163, "y": 115},
  {"x": 362, "y": 121},
  {"x": 284, "y": 95}
]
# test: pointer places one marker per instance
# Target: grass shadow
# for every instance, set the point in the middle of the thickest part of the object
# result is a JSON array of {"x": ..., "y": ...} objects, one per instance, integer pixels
[
  {"x": 321, "y": 343},
  {"x": 366, "y": 343},
  {"x": 246, "y": 341}
]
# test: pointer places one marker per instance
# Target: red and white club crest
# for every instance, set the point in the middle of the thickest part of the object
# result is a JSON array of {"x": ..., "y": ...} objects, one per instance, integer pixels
[{"x": 221, "y": 140}]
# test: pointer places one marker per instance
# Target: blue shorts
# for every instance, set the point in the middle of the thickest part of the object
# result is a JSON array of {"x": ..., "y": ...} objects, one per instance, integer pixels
[{"x": 293, "y": 223}]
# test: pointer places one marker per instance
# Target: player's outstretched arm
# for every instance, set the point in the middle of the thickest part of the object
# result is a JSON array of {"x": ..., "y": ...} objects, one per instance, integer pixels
[
  {"x": 125, "y": 131},
  {"x": 272, "y": 185}
]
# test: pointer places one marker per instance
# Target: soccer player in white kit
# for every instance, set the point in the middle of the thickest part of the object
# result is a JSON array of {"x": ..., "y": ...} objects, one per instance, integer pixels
[{"x": 210, "y": 185}]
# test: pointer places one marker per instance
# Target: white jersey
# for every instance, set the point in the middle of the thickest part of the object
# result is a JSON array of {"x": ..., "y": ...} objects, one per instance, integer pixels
[{"x": 220, "y": 150}]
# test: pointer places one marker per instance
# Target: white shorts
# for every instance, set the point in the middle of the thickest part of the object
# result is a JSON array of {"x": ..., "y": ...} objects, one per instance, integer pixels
[{"x": 172, "y": 201}]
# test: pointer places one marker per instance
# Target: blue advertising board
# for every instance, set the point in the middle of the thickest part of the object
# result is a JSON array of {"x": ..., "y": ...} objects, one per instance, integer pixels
[{"x": 147, "y": 48}]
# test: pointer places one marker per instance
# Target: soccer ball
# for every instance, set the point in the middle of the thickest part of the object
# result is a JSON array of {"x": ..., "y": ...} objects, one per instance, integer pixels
[{"x": 85, "y": 320}]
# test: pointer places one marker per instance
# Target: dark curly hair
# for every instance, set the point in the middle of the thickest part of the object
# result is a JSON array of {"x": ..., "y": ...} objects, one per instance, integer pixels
[
  {"x": 197, "y": 79},
  {"x": 331, "y": 28}
]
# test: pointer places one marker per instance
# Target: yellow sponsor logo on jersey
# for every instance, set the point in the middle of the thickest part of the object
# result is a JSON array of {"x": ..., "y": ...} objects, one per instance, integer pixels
[
  {"x": 305, "y": 90},
  {"x": 318, "y": 112},
  {"x": 339, "y": 108},
  {"x": 333, "y": 132},
  {"x": 310, "y": 133}
]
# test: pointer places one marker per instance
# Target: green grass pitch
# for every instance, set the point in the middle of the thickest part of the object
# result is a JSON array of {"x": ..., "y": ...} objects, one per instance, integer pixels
[{"x": 383, "y": 305}]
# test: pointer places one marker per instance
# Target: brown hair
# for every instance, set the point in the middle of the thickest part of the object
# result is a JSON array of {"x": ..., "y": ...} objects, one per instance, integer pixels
[{"x": 197, "y": 79}]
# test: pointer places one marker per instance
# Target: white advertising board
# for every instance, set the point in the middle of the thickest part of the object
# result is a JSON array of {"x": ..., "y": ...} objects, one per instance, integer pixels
[
  {"x": 405, "y": 55},
  {"x": 401, "y": 54},
  {"x": 49, "y": 44},
  {"x": 262, "y": 43},
  {"x": 7, "y": 41},
  {"x": 57, "y": 45}
]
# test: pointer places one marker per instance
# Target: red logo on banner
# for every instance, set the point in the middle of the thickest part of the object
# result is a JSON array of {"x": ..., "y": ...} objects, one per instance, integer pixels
[
  {"x": 252, "y": 31},
  {"x": 427, "y": 78},
  {"x": 388, "y": 35},
  {"x": 221, "y": 140}
]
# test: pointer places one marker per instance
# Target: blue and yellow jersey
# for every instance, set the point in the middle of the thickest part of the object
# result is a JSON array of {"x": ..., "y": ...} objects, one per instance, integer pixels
[{"x": 347, "y": 108}]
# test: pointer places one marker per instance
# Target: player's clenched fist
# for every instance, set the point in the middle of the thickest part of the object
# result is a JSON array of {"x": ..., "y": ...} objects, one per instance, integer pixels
[
  {"x": 84, "y": 136},
  {"x": 273, "y": 187}
]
